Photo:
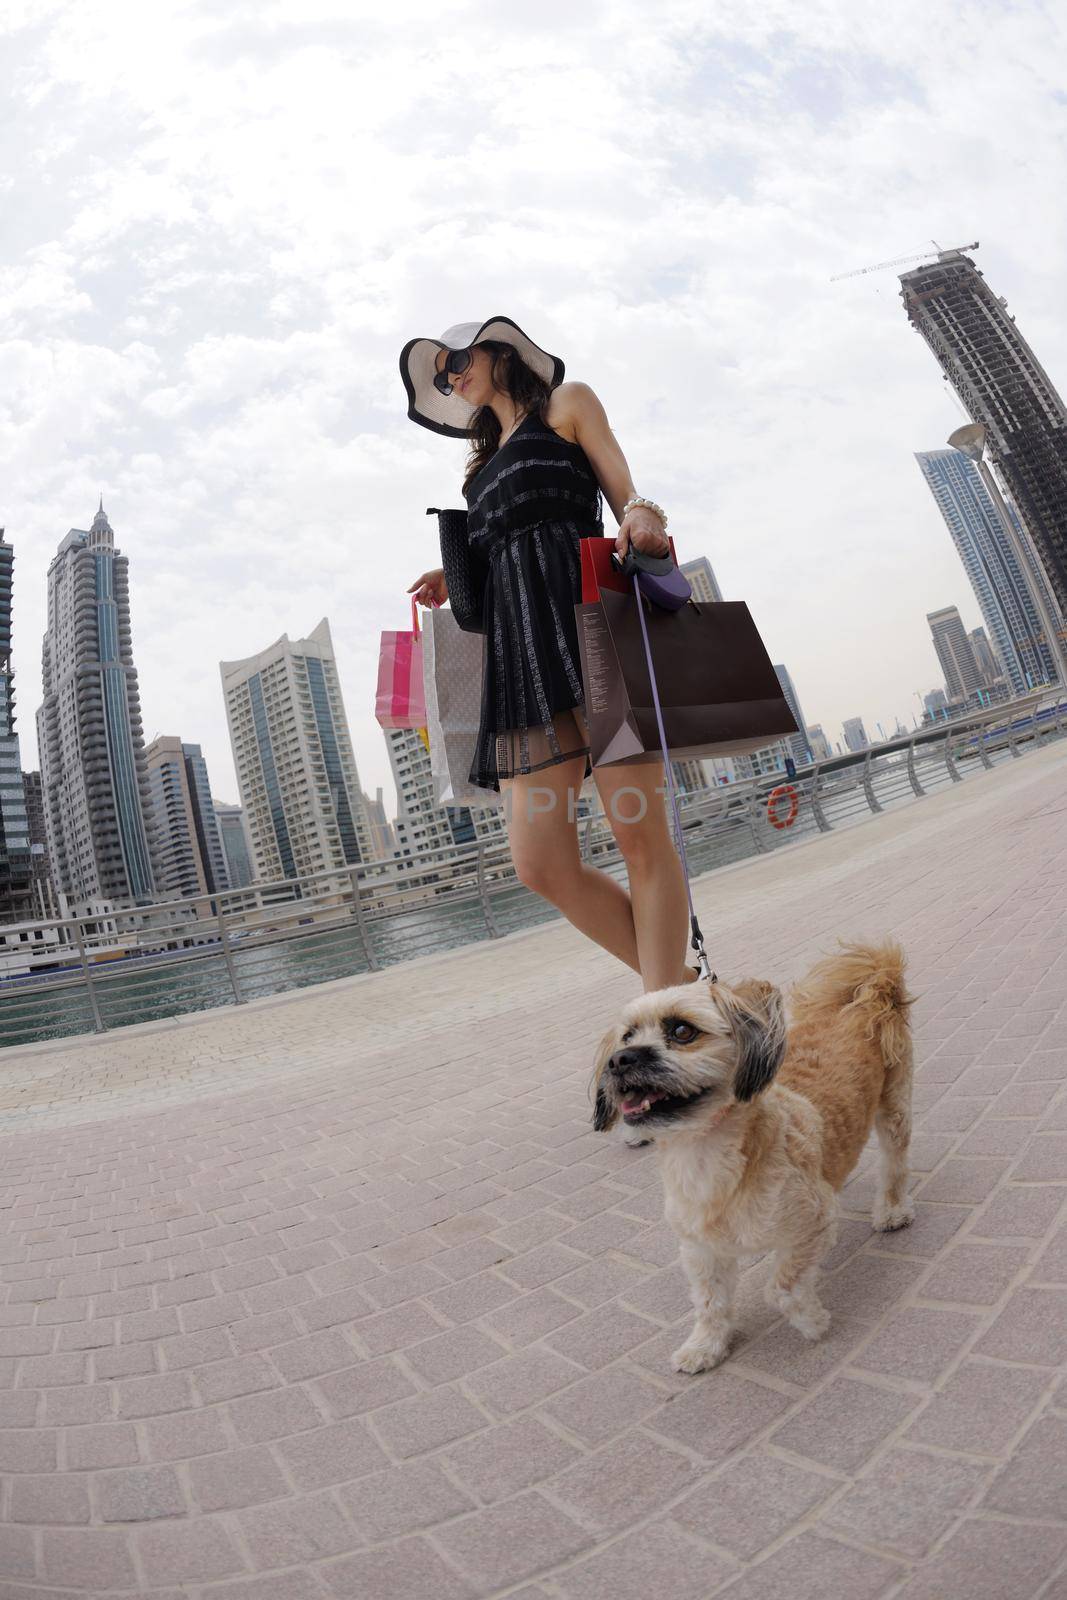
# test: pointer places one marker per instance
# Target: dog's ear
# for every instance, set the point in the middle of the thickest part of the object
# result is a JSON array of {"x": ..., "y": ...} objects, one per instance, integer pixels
[
  {"x": 756, "y": 1016},
  {"x": 605, "y": 1112}
]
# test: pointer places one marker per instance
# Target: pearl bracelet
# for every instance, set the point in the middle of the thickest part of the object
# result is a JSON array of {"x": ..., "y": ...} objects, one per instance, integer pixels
[{"x": 639, "y": 500}]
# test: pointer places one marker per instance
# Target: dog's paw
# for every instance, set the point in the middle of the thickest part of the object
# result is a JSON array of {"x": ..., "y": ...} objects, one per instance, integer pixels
[
  {"x": 693, "y": 1357},
  {"x": 811, "y": 1323},
  {"x": 887, "y": 1219}
]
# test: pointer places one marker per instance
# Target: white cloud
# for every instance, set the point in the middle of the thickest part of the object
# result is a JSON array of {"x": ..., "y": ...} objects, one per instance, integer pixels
[{"x": 227, "y": 220}]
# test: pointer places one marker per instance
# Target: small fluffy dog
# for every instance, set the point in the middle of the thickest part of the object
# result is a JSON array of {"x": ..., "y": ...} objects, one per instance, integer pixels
[{"x": 757, "y": 1128}]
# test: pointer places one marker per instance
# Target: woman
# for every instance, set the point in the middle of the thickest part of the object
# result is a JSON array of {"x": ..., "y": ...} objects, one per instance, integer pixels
[{"x": 542, "y": 453}]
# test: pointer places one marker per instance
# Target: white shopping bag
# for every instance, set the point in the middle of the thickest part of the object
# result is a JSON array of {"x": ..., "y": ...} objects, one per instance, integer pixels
[{"x": 452, "y": 676}]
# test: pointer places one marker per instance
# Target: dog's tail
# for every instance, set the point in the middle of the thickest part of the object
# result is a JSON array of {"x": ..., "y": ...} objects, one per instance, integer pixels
[{"x": 865, "y": 982}]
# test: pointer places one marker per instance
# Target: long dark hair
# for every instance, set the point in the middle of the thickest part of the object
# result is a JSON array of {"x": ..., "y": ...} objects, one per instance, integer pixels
[{"x": 529, "y": 392}]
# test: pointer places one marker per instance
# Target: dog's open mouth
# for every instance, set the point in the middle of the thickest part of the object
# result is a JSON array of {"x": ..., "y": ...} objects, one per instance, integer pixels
[{"x": 638, "y": 1107}]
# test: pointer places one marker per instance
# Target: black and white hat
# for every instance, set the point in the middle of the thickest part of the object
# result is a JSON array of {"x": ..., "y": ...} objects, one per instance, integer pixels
[{"x": 450, "y": 413}]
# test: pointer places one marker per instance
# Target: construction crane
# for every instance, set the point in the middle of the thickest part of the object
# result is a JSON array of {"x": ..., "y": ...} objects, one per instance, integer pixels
[{"x": 900, "y": 261}]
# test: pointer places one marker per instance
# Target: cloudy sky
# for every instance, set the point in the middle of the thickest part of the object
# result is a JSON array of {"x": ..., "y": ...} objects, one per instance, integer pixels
[{"x": 221, "y": 221}]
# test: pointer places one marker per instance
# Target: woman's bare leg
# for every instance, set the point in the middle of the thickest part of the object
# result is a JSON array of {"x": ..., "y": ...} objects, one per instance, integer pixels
[
  {"x": 541, "y": 810},
  {"x": 633, "y": 799}
]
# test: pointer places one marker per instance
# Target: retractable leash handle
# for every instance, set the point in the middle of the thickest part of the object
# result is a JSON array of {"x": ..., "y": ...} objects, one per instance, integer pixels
[{"x": 697, "y": 940}]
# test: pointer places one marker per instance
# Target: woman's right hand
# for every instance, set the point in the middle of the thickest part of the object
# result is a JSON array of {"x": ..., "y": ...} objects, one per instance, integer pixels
[{"x": 431, "y": 589}]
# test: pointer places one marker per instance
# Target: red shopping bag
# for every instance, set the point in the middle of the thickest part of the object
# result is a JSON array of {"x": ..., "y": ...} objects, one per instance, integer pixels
[
  {"x": 599, "y": 573},
  {"x": 401, "y": 699}
]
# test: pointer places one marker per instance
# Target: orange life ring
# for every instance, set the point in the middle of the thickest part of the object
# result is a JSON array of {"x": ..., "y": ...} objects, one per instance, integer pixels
[{"x": 785, "y": 791}]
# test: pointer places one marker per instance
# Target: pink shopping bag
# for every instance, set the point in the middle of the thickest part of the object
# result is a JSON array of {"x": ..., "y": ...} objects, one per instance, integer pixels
[{"x": 401, "y": 699}]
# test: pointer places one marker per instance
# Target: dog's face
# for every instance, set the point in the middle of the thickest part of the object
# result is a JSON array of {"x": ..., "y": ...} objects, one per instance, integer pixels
[{"x": 678, "y": 1056}]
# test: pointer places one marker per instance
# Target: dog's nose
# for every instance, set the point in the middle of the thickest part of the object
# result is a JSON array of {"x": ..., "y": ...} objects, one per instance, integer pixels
[{"x": 623, "y": 1060}]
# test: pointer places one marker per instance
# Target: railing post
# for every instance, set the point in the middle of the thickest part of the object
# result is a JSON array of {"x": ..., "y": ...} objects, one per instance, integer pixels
[
  {"x": 913, "y": 777},
  {"x": 227, "y": 952},
  {"x": 483, "y": 892},
  {"x": 587, "y": 837},
  {"x": 817, "y": 811},
  {"x": 979, "y": 735},
  {"x": 98, "y": 1021},
  {"x": 868, "y": 786},
  {"x": 950, "y": 765},
  {"x": 373, "y": 964},
  {"x": 753, "y": 807},
  {"x": 1012, "y": 746}
]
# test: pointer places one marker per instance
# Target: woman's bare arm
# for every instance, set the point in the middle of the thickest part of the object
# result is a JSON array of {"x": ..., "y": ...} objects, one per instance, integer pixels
[{"x": 575, "y": 411}]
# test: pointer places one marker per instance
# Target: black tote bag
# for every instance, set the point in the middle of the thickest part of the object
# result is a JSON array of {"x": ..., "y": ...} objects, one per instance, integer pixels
[
  {"x": 465, "y": 573},
  {"x": 718, "y": 691}
]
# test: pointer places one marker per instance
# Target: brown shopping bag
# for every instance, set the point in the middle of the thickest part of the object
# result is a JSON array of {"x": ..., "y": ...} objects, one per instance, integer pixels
[{"x": 718, "y": 691}]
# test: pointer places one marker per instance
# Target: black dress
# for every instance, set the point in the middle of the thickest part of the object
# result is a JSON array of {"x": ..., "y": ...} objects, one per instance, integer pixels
[{"x": 529, "y": 508}]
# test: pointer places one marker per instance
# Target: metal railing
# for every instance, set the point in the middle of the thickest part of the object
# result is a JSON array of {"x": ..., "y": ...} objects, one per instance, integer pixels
[{"x": 152, "y": 962}]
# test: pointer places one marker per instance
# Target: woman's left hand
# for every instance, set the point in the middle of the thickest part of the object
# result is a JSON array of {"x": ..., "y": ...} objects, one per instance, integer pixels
[{"x": 642, "y": 529}]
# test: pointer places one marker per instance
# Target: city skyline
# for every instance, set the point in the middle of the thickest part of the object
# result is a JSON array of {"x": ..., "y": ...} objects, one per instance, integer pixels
[{"x": 216, "y": 350}]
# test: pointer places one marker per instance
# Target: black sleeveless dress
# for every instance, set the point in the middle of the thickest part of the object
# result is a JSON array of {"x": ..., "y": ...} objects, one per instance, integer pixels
[{"x": 529, "y": 508}]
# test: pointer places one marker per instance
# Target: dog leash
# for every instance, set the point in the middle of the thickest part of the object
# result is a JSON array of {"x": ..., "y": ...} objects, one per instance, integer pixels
[{"x": 697, "y": 938}]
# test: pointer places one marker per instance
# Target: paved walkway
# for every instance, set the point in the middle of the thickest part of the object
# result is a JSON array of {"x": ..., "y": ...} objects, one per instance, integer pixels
[{"x": 338, "y": 1295}]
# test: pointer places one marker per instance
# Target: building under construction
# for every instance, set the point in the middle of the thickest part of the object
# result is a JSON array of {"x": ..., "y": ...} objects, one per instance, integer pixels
[{"x": 1004, "y": 387}]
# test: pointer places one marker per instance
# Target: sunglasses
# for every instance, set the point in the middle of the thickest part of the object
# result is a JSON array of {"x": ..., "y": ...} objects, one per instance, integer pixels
[{"x": 456, "y": 361}]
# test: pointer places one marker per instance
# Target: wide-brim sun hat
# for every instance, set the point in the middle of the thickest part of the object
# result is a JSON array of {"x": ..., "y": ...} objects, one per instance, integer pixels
[{"x": 450, "y": 413}]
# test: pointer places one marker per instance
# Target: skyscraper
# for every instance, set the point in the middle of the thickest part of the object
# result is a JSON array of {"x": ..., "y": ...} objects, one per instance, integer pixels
[
  {"x": 818, "y": 743},
  {"x": 855, "y": 734},
  {"x": 954, "y": 652},
  {"x": 234, "y": 844},
  {"x": 1003, "y": 386},
  {"x": 16, "y": 878},
  {"x": 797, "y": 742},
  {"x": 1001, "y": 586},
  {"x": 45, "y": 905},
  {"x": 421, "y": 823},
  {"x": 89, "y": 734},
  {"x": 293, "y": 755},
  {"x": 188, "y": 849},
  {"x": 989, "y": 668},
  {"x": 702, "y": 579}
]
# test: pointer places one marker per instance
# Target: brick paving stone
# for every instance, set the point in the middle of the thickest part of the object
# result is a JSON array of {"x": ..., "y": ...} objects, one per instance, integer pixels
[
  {"x": 988, "y": 1561},
  {"x": 607, "y": 1403},
  {"x": 142, "y": 1494},
  {"x": 286, "y": 1533},
  {"x": 88, "y": 1557},
  {"x": 1034, "y": 1483},
  {"x": 751, "y": 1502},
  {"x": 507, "y": 1543},
  {"x": 401, "y": 1500},
  {"x": 1025, "y": 1212},
  {"x": 101, "y": 1445},
  {"x": 273, "y": 1415},
  {"x": 714, "y": 1417},
  {"x": 980, "y": 1408},
  {"x": 332, "y": 1454},
  {"x": 1032, "y": 1327},
  {"x": 976, "y": 1274},
  {"x": 917, "y": 1342},
  {"x": 363, "y": 1388},
  {"x": 426, "y": 1422},
  {"x": 811, "y": 1567},
  {"x": 907, "y": 1502},
  {"x": 964, "y": 1180},
  {"x": 451, "y": 1355},
  {"x": 184, "y": 1434},
  {"x": 509, "y": 1458},
  {"x": 57, "y": 1498},
  {"x": 522, "y": 1380},
  {"x": 409, "y": 1570},
  {"x": 842, "y": 1425},
  {"x": 623, "y": 1481},
  {"x": 236, "y": 1478},
  {"x": 658, "y": 1560},
  {"x": 187, "y": 1552}
]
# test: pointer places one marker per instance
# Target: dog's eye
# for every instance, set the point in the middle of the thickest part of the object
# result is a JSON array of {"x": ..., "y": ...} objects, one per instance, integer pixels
[
  {"x": 681, "y": 1032},
  {"x": 627, "y": 1036}
]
